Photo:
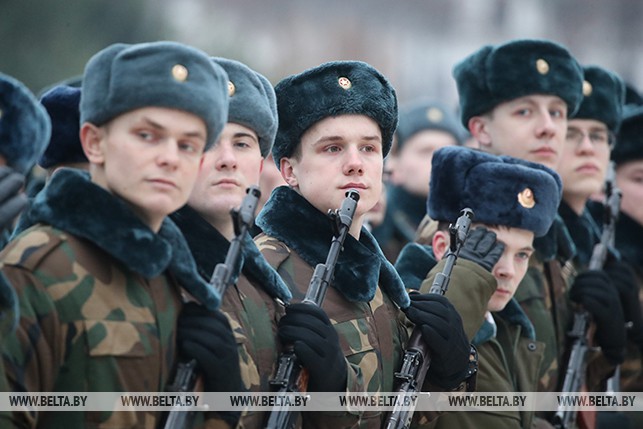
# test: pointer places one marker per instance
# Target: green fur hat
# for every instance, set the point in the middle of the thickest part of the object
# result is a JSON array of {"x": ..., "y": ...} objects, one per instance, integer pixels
[
  {"x": 603, "y": 97},
  {"x": 427, "y": 115},
  {"x": 496, "y": 74},
  {"x": 122, "y": 78},
  {"x": 332, "y": 89},
  {"x": 24, "y": 125},
  {"x": 629, "y": 141},
  {"x": 500, "y": 190},
  {"x": 252, "y": 101}
]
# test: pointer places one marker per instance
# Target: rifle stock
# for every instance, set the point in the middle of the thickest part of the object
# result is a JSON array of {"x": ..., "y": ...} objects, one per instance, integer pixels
[
  {"x": 290, "y": 376},
  {"x": 185, "y": 377},
  {"x": 417, "y": 359}
]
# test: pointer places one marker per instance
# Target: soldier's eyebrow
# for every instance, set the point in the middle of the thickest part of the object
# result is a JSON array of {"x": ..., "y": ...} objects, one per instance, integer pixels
[
  {"x": 333, "y": 139},
  {"x": 160, "y": 127}
]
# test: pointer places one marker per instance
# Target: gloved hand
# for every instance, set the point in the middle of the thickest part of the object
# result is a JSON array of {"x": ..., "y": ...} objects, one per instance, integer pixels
[
  {"x": 596, "y": 293},
  {"x": 206, "y": 336},
  {"x": 482, "y": 248},
  {"x": 442, "y": 330},
  {"x": 316, "y": 345},
  {"x": 12, "y": 199},
  {"x": 628, "y": 290}
]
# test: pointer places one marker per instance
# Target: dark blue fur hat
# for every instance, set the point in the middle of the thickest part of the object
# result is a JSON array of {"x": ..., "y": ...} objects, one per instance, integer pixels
[
  {"x": 332, "y": 89},
  {"x": 122, "y": 78},
  {"x": 427, "y": 114},
  {"x": 629, "y": 141},
  {"x": 495, "y": 74},
  {"x": 603, "y": 97},
  {"x": 500, "y": 190},
  {"x": 64, "y": 146},
  {"x": 253, "y": 103},
  {"x": 24, "y": 125}
]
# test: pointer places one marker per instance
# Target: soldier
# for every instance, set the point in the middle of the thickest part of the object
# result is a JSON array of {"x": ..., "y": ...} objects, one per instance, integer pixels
[
  {"x": 425, "y": 126},
  {"x": 627, "y": 154},
  {"x": 336, "y": 122},
  {"x": 98, "y": 275},
  {"x": 229, "y": 167},
  {"x": 515, "y": 99},
  {"x": 24, "y": 132},
  {"x": 583, "y": 167},
  {"x": 513, "y": 201}
]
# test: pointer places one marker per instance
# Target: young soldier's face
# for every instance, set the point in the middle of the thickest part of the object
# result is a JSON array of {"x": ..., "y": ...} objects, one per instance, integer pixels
[
  {"x": 629, "y": 179},
  {"x": 149, "y": 157},
  {"x": 532, "y": 128},
  {"x": 229, "y": 167},
  {"x": 335, "y": 155},
  {"x": 585, "y": 158},
  {"x": 413, "y": 165},
  {"x": 512, "y": 265}
]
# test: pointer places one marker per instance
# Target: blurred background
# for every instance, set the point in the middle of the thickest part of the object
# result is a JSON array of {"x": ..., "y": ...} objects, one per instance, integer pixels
[{"x": 415, "y": 43}]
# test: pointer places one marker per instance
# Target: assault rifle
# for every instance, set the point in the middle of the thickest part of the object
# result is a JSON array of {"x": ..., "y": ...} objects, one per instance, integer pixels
[
  {"x": 575, "y": 374},
  {"x": 291, "y": 377},
  {"x": 417, "y": 358},
  {"x": 222, "y": 276}
]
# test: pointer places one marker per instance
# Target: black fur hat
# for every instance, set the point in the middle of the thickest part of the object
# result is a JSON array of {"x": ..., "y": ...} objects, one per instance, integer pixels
[
  {"x": 495, "y": 74},
  {"x": 252, "y": 101},
  {"x": 24, "y": 125},
  {"x": 500, "y": 190},
  {"x": 603, "y": 97},
  {"x": 122, "y": 78},
  {"x": 64, "y": 146},
  {"x": 629, "y": 140},
  {"x": 332, "y": 89}
]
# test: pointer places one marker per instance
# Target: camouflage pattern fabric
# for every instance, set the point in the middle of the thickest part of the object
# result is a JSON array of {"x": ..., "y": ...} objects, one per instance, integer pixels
[
  {"x": 87, "y": 324},
  {"x": 372, "y": 335}
]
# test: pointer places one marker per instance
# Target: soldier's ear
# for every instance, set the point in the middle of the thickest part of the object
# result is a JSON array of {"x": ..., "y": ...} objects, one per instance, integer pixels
[
  {"x": 91, "y": 138},
  {"x": 440, "y": 243},
  {"x": 288, "y": 168},
  {"x": 478, "y": 129}
]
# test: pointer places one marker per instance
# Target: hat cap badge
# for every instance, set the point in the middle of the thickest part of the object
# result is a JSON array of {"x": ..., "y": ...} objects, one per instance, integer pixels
[
  {"x": 587, "y": 88},
  {"x": 526, "y": 198},
  {"x": 179, "y": 73},
  {"x": 434, "y": 114},
  {"x": 542, "y": 66},
  {"x": 231, "y": 89},
  {"x": 344, "y": 82}
]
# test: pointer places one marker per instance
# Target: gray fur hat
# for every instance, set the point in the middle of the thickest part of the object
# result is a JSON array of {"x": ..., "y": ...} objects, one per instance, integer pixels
[
  {"x": 332, "y": 89},
  {"x": 253, "y": 103},
  {"x": 500, "y": 190},
  {"x": 24, "y": 125},
  {"x": 427, "y": 114},
  {"x": 496, "y": 74},
  {"x": 122, "y": 78}
]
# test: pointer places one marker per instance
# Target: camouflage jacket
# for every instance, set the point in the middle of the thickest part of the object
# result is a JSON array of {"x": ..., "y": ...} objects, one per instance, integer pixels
[
  {"x": 99, "y": 298},
  {"x": 371, "y": 328},
  {"x": 250, "y": 303}
]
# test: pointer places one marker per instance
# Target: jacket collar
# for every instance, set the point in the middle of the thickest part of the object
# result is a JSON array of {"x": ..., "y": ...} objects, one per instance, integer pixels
[
  {"x": 210, "y": 248},
  {"x": 290, "y": 218},
  {"x": 72, "y": 203}
]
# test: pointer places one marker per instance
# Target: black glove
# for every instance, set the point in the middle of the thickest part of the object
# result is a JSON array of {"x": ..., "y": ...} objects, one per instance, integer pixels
[
  {"x": 482, "y": 248},
  {"x": 12, "y": 199},
  {"x": 442, "y": 330},
  {"x": 316, "y": 345},
  {"x": 596, "y": 293},
  {"x": 206, "y": 337},
  {"x": 628, "y": 290}
]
